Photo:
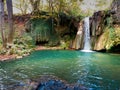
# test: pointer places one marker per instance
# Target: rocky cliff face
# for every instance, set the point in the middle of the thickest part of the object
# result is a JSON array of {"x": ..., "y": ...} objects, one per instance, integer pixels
[
  {"x": 96, "y": 28},
  {"x": 78, "y": 42},
  {"x": 115, "y": 9},
  {"x": 105, "y": 29}
]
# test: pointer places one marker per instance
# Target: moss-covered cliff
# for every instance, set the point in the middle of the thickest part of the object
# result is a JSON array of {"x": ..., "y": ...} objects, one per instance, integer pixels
[
  {"x": 43, "y": 31},
  {"x": 105, "y": 32},
  {"x": 109, "y": 40}
]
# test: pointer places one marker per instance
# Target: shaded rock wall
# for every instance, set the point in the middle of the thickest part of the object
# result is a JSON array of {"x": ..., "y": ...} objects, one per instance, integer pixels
[
  {"x": 115, "y": 9},
  {"x": 97, "y": 23}
]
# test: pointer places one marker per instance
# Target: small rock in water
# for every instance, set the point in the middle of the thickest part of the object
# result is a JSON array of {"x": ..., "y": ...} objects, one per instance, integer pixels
[{"x": 19, "y": 57}]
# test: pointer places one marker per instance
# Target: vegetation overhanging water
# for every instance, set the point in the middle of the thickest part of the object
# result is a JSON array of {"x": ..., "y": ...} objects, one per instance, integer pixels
[{"x": 91, "y": 69}]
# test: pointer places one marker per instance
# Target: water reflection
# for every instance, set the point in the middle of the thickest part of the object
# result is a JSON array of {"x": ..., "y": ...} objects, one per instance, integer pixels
[{"x": 84, "y": 65}]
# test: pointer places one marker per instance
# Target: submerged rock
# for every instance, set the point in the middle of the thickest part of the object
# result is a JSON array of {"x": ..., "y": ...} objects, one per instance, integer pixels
[
  {"x": 19, "y": 57},
  {"x": 57, "y": 84},
  {"x": 47, "y": 82}
]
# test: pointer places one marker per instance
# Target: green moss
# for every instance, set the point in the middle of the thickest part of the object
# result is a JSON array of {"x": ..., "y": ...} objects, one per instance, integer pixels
[
  {"x": 113, "y": 39},
  {"x": 64, "y": 45},
  {"x": 43, "y": 30}
]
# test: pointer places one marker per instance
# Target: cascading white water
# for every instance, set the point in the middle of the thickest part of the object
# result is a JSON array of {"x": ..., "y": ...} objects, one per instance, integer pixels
[{"x": 87, "y": 45}]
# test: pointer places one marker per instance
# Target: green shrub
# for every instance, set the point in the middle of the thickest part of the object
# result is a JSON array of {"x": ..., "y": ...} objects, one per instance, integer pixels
[
  {"x": 21, "y": 45},
  {"x": 64, "y": 45}
]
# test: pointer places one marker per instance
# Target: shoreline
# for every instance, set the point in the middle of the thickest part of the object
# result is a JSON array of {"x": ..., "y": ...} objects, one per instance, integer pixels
[
  {"x": 37, "y": 48},
  {"x": 7, "y": 57}
]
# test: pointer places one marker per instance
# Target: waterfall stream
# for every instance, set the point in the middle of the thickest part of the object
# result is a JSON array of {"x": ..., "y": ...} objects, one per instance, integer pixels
[{"x": 87, "y": 45}]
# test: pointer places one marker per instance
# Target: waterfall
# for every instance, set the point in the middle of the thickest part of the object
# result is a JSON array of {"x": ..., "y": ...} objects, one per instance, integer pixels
[{"x": 87, "y": 45}]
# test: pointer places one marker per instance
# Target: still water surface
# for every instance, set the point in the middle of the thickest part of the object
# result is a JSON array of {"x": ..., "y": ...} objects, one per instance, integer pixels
[{"x": 98, "y": 71}]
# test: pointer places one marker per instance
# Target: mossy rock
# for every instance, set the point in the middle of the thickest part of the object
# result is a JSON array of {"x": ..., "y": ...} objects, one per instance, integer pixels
[{"x": 109, "y": 40}]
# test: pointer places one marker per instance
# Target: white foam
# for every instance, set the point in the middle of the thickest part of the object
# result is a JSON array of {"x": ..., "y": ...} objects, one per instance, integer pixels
[{"x": 86, "y": 51}]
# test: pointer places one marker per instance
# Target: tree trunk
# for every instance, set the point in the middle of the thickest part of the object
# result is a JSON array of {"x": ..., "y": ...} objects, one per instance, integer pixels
[
  {"x": 10, "y": 21},
  {"x": 2, "y": 26},
  {"x": 51, "y": 11}
]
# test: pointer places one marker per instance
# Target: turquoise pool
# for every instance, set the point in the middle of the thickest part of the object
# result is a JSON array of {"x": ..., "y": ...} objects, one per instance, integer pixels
[{"x": 99, "y": 71}]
